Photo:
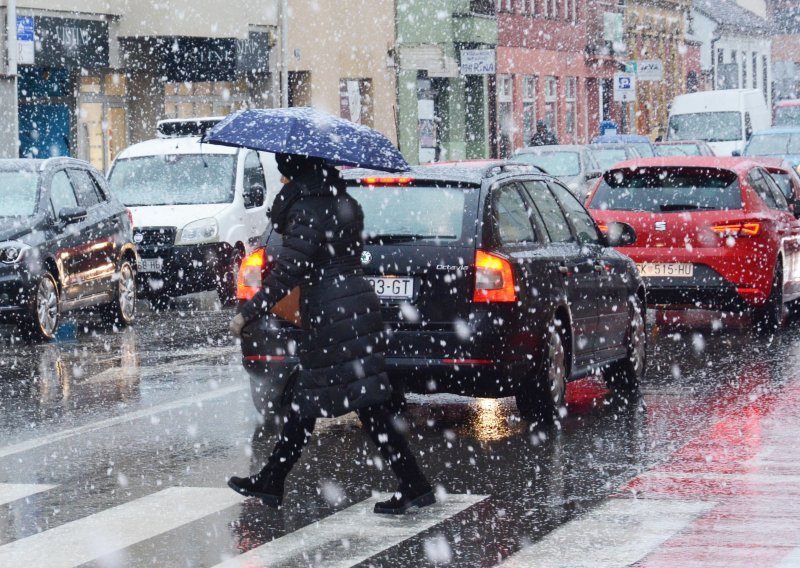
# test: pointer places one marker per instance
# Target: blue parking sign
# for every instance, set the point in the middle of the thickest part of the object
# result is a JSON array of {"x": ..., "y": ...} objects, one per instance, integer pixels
[
  {"x": 25, "y": 30},
  {"x": 624, "y": 87}
]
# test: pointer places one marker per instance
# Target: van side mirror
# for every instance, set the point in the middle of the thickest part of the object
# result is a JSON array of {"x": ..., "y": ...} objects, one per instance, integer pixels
[
  {"x": 619, "y": 234},
  {"x": 736, "y": 153},
  {"x": 70, "y": 215},
  {"x": 254, "y": 196}
]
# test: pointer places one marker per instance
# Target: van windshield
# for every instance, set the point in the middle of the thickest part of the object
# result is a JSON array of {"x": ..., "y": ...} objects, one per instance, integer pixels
[
  {"x": 174, "y": 179},
  {"x": 708, "y": 126}
]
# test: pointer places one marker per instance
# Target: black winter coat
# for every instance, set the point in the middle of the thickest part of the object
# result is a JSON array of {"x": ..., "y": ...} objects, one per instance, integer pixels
[{"x": 342, "y": 361}]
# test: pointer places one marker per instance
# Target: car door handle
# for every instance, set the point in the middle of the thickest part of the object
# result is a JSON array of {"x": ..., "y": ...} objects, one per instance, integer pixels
[{"x": 599, "y": 267}]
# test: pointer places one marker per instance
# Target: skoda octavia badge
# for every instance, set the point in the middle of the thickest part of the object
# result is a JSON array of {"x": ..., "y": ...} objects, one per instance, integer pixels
[
  {"x": 138, "y": 238},
  {"x": 366, "y": 257}
]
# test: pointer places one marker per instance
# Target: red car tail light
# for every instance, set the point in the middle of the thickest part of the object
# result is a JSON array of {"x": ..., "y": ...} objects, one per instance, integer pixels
[
  {"x": 494, "y": 279},
  {"x": 738, "y": 229},
  {"x": 387, "y": 180},
  {"x": 250, "y": 274}
]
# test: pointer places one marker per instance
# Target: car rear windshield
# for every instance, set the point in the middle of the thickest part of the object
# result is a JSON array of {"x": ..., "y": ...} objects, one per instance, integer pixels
[
  {"x": 773, "y": 144},
  {"x": 608, "y": 157},
  {"x": 787, "y": 116},
  {"x": 709, "y": 126},
  {"x": 664, "y": 190},
  {"x": 174, "y": 179},
  {"x": 554, "y": 163},
  {"x": 413, "y": 213},
  {"x": 18, "y": 193},
  {"x": 645, "y": 150}
]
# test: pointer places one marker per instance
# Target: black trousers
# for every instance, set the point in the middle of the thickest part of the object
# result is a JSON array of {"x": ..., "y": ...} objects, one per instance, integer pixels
[{"x": 379, "y": 423}]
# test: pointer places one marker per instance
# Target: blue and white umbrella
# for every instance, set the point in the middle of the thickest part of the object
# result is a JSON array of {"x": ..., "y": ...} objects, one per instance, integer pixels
[{"x": 308, "y": 132}]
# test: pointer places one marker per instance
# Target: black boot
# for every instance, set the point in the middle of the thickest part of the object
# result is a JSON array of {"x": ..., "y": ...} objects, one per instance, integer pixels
[
  {"x": 406, "y": 497},
  {"x": 266, "y": 485}
]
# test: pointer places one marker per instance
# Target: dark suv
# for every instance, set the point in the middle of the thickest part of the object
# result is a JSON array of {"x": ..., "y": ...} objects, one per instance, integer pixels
[
  {"x": 65, "y": 243},
  {"x": 494, "y": 281}
]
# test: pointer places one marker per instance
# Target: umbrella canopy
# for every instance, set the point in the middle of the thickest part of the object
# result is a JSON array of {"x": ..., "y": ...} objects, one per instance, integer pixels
[{"x": 308, "y": 132}]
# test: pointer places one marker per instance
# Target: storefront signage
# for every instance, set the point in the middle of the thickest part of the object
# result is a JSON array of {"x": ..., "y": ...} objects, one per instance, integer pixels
[
  {"x": 478, "y": 62},
  {"x": 624, "y": 87},
  {"x": 252, "y": 54},
  {"x": 646, "y": 69},
  {"x": 214, "y": 59},
  {"x": 25, "y": 40},
  {"x": 65, "y": 42}
]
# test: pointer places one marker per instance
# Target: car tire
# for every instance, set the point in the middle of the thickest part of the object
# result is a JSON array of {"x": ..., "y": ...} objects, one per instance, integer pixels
[
  {"x": 542, "y": 400},
  {"x": 625, "y": 375},
  {"x": 769, "y": 317},
  {"x": 122, "y": 309},
  {"x": 44, "y": 311},
  {"x": 228, "y": 278}
]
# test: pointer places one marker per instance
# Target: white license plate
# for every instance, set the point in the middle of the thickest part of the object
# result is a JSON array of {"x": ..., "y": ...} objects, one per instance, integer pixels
[
  {"x": 151, "y": 264},
  {"x": 392, "y": 287},
  {"x": 673, "y": 269}
]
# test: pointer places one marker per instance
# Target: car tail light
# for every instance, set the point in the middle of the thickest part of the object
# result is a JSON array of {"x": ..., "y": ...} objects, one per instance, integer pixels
[
  {"x": 494, "y": 279},
  {"x": 387, "y": 180},
  {"x": 738, "y": 229},
  {"x": 603, "y": 228},
  {"x": 250, "y": 274}
]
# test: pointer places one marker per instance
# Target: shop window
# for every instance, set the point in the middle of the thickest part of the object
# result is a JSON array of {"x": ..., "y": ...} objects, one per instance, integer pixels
[
  {"x": 764, "y": 77},
  {"x": 550, "y": 8},
  {"x": 551, "y": 103},
  {"x": 355, "y": 100},
  {"x": 570, "y": 10},
  {"x": 744, "y": 71},
  {"x": 755, "y": 75},
  {"x": 528, "y": 107},
  {"x": 299, "y": 88},
  {"x": 570, "y": 88},
  {"x": 188, "y": 99},
  {"x": 504, "y": 5},
  {"x": 505, "y": 111}
]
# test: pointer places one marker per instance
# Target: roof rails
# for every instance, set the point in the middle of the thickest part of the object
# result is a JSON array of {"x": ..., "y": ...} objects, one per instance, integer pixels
[{"x": 511, "y": 166}]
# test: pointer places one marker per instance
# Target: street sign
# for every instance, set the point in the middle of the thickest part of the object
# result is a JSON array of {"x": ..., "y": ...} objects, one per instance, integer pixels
[
  {"x": 649, "y": 70},
  {"x": 25, "y": 40},
  {"x": 624, "y": 87},
  {"x": 478, "y": 62}
]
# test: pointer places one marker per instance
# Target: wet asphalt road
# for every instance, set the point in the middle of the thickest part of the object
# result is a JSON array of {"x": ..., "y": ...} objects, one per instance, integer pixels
[{"x": 105, "y": 420}]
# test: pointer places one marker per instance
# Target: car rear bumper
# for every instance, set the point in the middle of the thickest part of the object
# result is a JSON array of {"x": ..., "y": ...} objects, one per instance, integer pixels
[
  {"x": 185, "y": 268},
  {"x": 705, "y": 289}
]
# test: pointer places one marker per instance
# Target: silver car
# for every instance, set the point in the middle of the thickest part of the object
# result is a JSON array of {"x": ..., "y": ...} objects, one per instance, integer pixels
[{"x": 572, "y": 164}]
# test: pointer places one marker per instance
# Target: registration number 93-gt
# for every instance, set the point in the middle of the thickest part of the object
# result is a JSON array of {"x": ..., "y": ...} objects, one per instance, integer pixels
[{"x": 392, "y": 287}]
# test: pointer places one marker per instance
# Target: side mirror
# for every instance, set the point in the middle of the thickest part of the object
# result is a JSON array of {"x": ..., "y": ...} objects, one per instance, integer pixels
[
  {"x": 736, "y": 153},
  {"x": 593, "y": 174},
  {"x": 620, "y": 234},
  {"x": 254, "y": 196},
  {"x": 71, "y": 215}
]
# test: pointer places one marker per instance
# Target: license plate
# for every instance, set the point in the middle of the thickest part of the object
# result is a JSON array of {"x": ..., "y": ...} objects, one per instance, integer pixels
[
  {"x": 151, "y": 264},
  {"x": 392, "y": 287},
  {"x": 673, "y": 269}
]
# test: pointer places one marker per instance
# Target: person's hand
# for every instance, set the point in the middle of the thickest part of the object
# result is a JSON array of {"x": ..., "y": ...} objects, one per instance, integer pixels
[{"x": 237, "y": 323}]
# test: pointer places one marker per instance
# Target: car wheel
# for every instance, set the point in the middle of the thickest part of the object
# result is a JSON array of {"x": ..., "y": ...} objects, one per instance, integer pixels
[
  {"x": 44, "y": 309},
  {"x": 228, "y": 278},
  {"x": 769, "y": 317},
  {"x": 625, "y": 375},
  {"x": 122, "y": 309},
  {"x": 543, "y": 400}
]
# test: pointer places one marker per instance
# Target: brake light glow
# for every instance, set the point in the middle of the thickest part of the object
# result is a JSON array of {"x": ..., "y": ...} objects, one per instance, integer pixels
[
  {"x": 387, "y": 180},
  {"x": 494, "y": 279},
  {"x": 603, "y": 228},
  {"x": 740, "y": 229},
  {"x": 250, "y": 272}
]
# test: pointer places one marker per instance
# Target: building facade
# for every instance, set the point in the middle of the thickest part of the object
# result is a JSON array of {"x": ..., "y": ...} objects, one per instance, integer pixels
[
  {"x": 784, "y": 18},
  {"x": 88, "y": 82},
  {"x": 340, "y": 60}
]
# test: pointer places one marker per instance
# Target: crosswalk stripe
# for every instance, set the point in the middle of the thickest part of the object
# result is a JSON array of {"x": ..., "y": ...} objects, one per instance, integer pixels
[
  {"x": 86, "y": 539},
  {"x": 350, "y": 536},
  {"x": 12, "y": 491},
  {"x": 121, "y": 419},
  {"x": 618, "y": 533}
]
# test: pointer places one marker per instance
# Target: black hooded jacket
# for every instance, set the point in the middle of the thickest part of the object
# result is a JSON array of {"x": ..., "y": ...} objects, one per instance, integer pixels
[{"x": 342, "y": 361}]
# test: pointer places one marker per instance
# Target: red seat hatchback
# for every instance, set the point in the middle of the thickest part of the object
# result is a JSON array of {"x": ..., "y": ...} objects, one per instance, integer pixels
[{"x": 711, "y": 232}]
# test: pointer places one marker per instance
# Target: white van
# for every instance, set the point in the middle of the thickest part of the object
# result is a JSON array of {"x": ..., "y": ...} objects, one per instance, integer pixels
[
  {"x": 197, "y": 209},
  {"x": 725, "y": 119}
]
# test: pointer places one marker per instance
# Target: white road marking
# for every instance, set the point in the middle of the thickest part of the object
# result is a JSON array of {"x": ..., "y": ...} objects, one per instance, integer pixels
[
  {"x": 12, "y": 491},
  {"x": 349, "y": 536},
  {"x": 121, "y": 419},
  {"x": 616, "y": 534},
  {"x": 109, "y": 531}
]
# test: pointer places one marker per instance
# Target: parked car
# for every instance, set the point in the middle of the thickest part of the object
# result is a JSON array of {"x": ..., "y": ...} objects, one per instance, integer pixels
[
  {"x": 65, "y": 244},
  {"x": 787, "y": 113},
  {"x": 494, "y": 281},
  {"x": 711, "y": 232},
  {"x": 683, "y": 148},
  {"x": 607, "y": 155},
  {"x": 778, "y": 142},
  {"x": 725, "y": 119},
  {"x": 198, "y": 209},
  {"x": 572, "y": 164},
  {"x": 641, "y": 143}
]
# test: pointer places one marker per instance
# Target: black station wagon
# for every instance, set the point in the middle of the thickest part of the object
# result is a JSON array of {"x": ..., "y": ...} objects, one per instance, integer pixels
[
  {"x": 494, "y": 281},
  {"x": 65, "y": 243}
]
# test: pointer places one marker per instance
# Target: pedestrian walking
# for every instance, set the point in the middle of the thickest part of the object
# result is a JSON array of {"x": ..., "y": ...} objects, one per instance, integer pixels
[
  {"x": 342, "y": 366},
  {"x": 543, "y": 135}
]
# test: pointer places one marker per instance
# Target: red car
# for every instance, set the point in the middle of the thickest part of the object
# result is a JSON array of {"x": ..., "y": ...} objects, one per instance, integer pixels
[{"x": 711, "y": 232}]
